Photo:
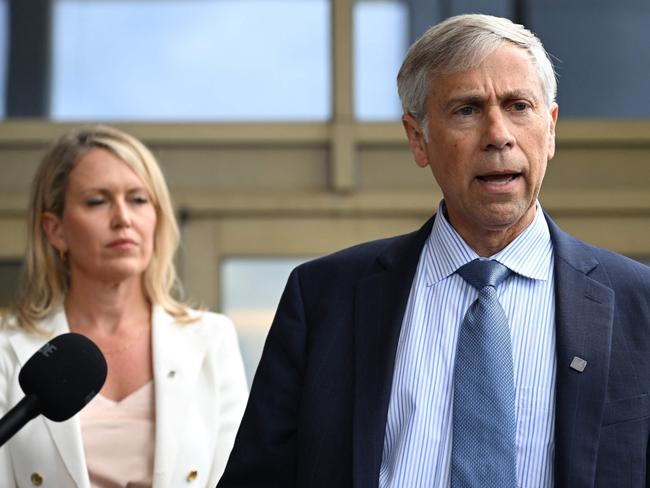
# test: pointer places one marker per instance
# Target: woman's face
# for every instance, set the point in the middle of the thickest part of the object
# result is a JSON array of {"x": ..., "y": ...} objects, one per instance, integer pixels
[{"x": 108, "y": 224}]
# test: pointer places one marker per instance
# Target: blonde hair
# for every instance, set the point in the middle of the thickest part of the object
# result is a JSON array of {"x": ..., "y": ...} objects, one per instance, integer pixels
[
  {"x": 461, "y": 43},
  {"x": 45, "y": 274}
]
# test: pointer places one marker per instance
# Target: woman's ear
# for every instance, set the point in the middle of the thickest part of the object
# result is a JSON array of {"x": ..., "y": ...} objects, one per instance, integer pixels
[{"x": 53, "y": 228}]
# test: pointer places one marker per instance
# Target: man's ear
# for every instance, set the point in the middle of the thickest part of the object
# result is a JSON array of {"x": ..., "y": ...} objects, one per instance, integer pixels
[
  {"x": 551, "y": 130},
  {"x": 51, "y": 224},
  {"x": 416, "y": 139}
]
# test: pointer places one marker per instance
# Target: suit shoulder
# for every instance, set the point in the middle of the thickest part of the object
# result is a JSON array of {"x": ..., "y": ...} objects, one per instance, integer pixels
[
  {"x": 354, "y": 259},
  {"x": 208, "y": 320},
  {"x": 607, "y": 266},
  {"x": 622, "y": 272},
  {"x": 614, "y": 259},
  {"x": 212, "y": 328}
]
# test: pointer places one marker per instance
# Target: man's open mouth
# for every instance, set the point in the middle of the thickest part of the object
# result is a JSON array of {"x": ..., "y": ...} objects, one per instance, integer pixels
[{"x": 499, "y": 179}]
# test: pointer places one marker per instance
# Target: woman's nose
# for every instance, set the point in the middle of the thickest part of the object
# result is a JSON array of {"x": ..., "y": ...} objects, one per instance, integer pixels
[{"x": 121, "y": 216}]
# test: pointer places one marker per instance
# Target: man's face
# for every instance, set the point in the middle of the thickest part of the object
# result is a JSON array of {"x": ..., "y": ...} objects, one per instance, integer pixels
[{"x": 490, "y": 136}]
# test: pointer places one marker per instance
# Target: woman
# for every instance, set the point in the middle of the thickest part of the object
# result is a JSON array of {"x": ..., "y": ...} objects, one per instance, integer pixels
[{"x": 102, "y": 236}]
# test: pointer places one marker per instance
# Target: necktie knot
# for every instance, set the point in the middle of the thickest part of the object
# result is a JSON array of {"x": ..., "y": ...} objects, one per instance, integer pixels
[{"x": 481, "y": 273}]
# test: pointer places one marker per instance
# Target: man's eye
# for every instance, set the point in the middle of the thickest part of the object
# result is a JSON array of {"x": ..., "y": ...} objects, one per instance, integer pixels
[
  {"x": 466, "y": 110},
  {"x": 520, "y": 106}
]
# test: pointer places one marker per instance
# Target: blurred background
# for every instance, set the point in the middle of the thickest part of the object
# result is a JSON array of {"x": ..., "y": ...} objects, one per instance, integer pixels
[{"x": 277, "y": 124}]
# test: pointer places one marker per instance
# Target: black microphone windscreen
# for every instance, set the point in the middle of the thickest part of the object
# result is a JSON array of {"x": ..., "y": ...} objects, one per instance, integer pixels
[{"x": 64, "y": 374}]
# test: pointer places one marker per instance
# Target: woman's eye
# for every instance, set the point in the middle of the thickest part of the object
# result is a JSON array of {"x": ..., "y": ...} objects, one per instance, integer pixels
[
  {"x": 93, "y": 202},
  {"x": 140, "y": 199}
]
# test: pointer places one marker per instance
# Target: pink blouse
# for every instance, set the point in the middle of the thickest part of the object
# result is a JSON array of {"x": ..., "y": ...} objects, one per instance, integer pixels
[{"x": 118, "y": 439}]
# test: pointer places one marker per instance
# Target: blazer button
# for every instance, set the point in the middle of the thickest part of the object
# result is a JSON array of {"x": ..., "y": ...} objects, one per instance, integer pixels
[
  {"x": 191, "y": 476},
  {"x": 37, "y": 479}
]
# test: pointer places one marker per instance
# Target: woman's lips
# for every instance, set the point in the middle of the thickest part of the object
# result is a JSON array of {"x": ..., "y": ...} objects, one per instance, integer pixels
[{"x": 122, "y": 244}]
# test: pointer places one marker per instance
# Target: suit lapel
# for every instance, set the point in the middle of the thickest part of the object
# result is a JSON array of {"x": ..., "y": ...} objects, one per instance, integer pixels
[
  {"x": 65, "y": 435},
  {"x": 380, "y": 303},
  {"x": 584, "y": 317},
  {"x": 178, "y": 353}
]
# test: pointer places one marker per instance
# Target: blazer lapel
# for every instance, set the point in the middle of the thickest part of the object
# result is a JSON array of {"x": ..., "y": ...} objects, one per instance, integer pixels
[
  {"x": 380, "y": 303},
  {"x": 178, "y": 353},
  {"x": 584, "y": 318},
  {"x": 65, "y": 435}
]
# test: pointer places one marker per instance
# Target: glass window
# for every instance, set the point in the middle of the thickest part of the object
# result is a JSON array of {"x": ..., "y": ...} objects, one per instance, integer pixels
[
  {"x": 4, "y": 58},
  {"x": 10, "y": 272},
  {"x": 601, "y": 55},
  {"x": 191, "y": 60},
  {"x": 380, "y": 42},
  {"x": 599, "y": 49},
  {"x": 250, "y": 292}
]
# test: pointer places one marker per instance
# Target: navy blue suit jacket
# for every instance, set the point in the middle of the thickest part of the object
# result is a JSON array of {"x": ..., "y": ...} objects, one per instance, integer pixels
[{"x": 317, "y": 412}]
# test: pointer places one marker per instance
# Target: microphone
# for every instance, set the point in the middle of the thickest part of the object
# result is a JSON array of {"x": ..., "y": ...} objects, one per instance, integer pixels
[{"x": 58, "y": 381}]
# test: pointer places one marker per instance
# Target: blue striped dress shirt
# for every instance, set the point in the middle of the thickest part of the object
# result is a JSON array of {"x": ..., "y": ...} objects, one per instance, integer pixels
[{"x": 417, "y": 441}]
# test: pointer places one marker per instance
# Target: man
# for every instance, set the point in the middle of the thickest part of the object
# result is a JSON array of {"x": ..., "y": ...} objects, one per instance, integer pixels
[{"x": 374, "y": 374}]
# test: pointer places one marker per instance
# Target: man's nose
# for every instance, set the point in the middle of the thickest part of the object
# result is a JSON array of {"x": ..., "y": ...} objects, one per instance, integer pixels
[{"x": 497, "y": 133}]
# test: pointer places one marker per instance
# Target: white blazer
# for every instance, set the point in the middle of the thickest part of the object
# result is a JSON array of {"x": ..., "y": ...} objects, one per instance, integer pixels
[{"x": 200, "y": 395}]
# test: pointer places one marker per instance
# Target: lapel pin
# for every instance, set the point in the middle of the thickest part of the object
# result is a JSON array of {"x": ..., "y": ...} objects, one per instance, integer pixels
[{"x": 578, "y": 364}]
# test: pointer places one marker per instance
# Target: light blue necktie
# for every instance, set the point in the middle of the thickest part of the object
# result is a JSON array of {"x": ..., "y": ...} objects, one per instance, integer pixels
[{"x": 484, "y": 453}]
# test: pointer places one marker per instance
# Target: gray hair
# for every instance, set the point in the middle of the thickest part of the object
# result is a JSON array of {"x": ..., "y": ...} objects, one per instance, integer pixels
[{"x": 461, "y": 43}]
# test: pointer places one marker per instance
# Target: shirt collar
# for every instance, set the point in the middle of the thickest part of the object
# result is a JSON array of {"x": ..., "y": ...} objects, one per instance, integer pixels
[{"x": 529, "y": 255}]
